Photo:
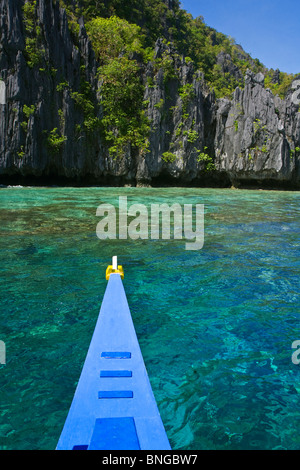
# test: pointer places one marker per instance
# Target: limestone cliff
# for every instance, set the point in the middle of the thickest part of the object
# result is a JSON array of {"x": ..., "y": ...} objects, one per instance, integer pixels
[{"x": 47, "y": 133}]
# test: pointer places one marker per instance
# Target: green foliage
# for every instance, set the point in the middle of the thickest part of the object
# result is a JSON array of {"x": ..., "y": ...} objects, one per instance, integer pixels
[
  {"x": 285, "y": 81},
  {"x": 124, "y": 121},
  {"x": 91, "y": 123},
  {"x": 204, "y": 157},
  {"x": 34, "y": 52},
  {"x": 258, "y": 127},
  {"x": 62, "y": 86},
  {"x": 82, "y": 102},
  {"x": 186, "y": 93},
  {"x": 153, "y": 16},
  {"x": 168, "y": 157},
  {"x": 134, "y": 26},
  {"x": 73, "y": 12},
  {"x": 61, "y": 119},
  {"x": 293, "y": 152},
  {"x": 179, "y": 129},
  {"x": 28, "y": 110},
  {"x": 55, "y": 141},
  {"x": 167, "y": 64},
  {"x": 123, "y": 35},
  {"x": 159, "y": 105},
  {"x": 21, "y": 152},
  {"x": 192, "y": 136},
  {"x": 112, "y": 37},
  {"x": 150, "y": 82},
  {"x": 29, "y": 9},
  {"x": 24, "y": 125},
  {"x": 255, "y": 150}
]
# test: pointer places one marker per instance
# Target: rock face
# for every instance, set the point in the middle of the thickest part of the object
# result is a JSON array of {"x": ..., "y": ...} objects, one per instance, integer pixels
[
  {"x": 257, "y": 135},
  {"x": 195, "y": 139}
]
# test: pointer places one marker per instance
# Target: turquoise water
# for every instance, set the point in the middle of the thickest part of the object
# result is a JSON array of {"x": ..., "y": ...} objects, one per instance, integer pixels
[{"x": 215, "y": 325}]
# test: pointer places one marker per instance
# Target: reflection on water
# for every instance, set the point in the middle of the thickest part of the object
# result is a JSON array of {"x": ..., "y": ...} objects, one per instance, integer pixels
[{"x": 215, "y": 325}]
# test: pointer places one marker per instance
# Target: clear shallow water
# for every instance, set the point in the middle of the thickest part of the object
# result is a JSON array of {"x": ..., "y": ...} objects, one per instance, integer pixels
[{"x": 215, "y": 326}]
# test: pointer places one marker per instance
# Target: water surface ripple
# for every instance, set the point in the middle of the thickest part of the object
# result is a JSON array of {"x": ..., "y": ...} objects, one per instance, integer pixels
[{"x": 215, "y": 325}]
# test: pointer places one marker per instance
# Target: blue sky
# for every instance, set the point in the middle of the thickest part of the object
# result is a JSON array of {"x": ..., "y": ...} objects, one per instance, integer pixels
[{"x": 268, "y": 30}]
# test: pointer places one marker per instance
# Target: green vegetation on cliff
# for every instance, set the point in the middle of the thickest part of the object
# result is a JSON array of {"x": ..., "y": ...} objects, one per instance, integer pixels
[
  {"x": 123, "y": 35},
  {"x": 192, "y": 38},
  {"x": 33, "y": 49},
  {"x": 115, "y": 42}
]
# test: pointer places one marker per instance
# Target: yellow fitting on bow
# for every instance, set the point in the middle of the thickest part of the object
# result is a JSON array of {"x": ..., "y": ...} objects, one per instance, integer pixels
[{"x": 110, "y": 270}]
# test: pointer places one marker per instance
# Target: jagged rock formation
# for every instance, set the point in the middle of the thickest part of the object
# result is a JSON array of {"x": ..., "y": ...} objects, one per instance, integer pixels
[
  {"x": 257, "y": 134},
  {"x": 195, "y": 139}
]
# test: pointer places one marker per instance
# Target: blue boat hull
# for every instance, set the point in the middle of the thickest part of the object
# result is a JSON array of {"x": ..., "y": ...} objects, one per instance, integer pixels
[{"x": 114, "y": 407}]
